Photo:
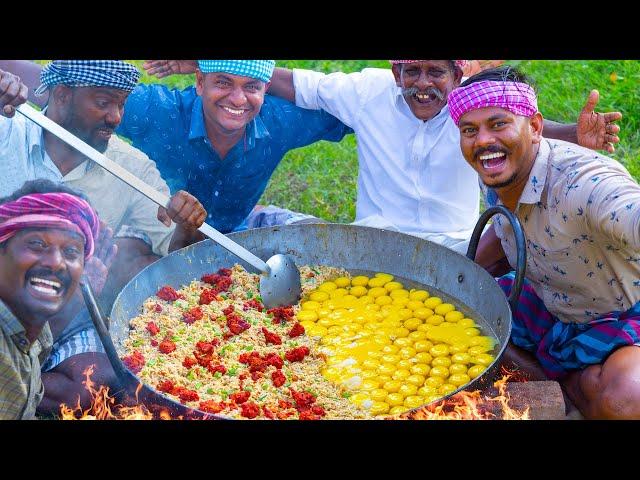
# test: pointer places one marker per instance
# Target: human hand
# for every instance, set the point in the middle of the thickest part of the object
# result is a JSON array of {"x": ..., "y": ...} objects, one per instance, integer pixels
[
  {"x": 96, "y": 269},
  {"x": 12, "y": 93},
  {"x": 597, "y": 130},
  {"x": 164, "y": 68},
  {"x": 185, "y": 210}
]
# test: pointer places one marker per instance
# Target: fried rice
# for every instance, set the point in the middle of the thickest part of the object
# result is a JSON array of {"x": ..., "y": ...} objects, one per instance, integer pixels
[{"x": 223, "y": 357}]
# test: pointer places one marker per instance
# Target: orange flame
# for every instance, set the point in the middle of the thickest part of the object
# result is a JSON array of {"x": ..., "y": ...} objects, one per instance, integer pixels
[
  {"x": 470, "y": 406},
  {"x": 103, "y": 406}
]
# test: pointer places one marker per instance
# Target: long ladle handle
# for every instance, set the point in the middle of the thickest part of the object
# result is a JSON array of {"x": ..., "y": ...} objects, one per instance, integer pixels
[{"x": 130, "y": 179}]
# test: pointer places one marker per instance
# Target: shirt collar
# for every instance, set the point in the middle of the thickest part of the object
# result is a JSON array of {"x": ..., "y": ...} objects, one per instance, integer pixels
[
  {"x": 9, "y": 323},
  {"x": 440, "y": 117},
  {"x": 537, "y": 177},
  {"x": 37, "y": 141},
  {"x": 255, "y": 130}
]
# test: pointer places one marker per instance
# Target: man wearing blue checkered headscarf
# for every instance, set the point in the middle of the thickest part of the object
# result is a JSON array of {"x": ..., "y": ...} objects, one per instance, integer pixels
[
  {"x": 258, "y": 69},
  {"x": 89, "y": 73}
]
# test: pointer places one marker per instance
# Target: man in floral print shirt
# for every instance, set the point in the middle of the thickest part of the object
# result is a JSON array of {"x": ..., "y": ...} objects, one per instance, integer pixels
[{"x": 579, "y": 310}]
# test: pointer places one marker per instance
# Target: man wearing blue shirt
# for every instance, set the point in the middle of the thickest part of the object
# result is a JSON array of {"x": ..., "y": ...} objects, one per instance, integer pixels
[{"x": 220, "y": 140}]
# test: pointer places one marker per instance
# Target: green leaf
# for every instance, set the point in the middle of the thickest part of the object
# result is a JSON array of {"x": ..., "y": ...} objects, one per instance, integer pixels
[
  {"x": 217, "y": 375},
  {"x": 210, "y": 391},
  {"x": 346, "y": 394}
]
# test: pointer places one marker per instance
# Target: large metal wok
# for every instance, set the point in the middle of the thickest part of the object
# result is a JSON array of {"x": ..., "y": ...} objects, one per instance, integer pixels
[{"x": 415, "y": 261}]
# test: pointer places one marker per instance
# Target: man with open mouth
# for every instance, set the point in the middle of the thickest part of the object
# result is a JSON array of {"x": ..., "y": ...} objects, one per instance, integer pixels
[
  {"x": 47, "y": 233},
  {"x": 412, "y": 176},
  {"x": 579, "y": 310}
]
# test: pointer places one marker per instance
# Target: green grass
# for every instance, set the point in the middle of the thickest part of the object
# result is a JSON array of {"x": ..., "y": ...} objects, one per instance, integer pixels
[{"x": 321, "y": 179}]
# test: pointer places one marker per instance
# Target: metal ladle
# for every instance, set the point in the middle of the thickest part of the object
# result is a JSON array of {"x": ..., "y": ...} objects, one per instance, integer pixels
[{"x": 280, "y": 278}]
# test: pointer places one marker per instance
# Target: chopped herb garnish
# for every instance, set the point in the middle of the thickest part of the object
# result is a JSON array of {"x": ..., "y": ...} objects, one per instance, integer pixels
[
  {"x": 210, "y": 391},
  {"x": 217, "y": 375},
  {"x": 259, "y": 298},
  {"x": 151, "y": 363},
  {"x": 287, "y": 384},
  {"x": 137, "y": 343},
  {"x": 265, "y": 386},
  {"x": 262, "y": 397},
  {"x": 248, "y": 348},
  {"x": 248, "y": 389},
  {"x": 198, "y": 385},
  {"x": 250, "y": 294},
  {"x": 346, "y": 394},
  {"x": 224, "y": 394},
  {"x": 175, "y": 338},
  {"x": 191, "y": 375},
  {"x": 317, "y": 272},
  {"x": 232, "y": 371}
]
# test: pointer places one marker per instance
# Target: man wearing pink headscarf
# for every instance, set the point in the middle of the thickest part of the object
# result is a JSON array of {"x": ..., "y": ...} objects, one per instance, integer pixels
[
  {"x": 578, "y": 315},
  {"x": 47, "y": 233},
  {"x": 412, "y": 176}
]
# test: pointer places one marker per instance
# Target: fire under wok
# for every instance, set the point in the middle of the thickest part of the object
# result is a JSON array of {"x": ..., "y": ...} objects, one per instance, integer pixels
[{"x": 416, "y": 262}]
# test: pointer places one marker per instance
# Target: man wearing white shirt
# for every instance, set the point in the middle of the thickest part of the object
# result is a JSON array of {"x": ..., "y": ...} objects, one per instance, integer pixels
[{"x": 412, "y": 175}]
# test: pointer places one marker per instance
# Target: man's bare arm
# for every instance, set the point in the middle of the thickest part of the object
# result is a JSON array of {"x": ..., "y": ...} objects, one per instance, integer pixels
[
  {"x": 63, "y": 384},
  {"x": 282, "y": 84},
  {"x": 29, "y": 73}
]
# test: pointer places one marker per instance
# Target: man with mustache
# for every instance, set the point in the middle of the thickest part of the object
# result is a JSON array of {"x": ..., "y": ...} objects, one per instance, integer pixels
[
  {"x": 47, "y": 235},
  {"x": 86, "y": 97},
  {"x": 579, "y": 310},
  {"x": 412, "y": 176}
]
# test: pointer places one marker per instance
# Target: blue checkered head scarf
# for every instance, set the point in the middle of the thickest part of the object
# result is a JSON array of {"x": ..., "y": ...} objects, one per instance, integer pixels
[
  {"x": 259, "y": 69},
  {"x": 89, "y": 73}
]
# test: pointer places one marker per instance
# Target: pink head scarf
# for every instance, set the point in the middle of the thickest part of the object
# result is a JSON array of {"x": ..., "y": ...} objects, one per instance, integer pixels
[
  {"x": 518, "y": 98},
  {"x": 50, "y": 210},
  {"x": 459, "y": 63}
]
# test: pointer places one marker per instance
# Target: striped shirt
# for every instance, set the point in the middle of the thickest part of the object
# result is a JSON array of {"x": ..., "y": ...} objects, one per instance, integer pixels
[{"x": 21, "y": 387}]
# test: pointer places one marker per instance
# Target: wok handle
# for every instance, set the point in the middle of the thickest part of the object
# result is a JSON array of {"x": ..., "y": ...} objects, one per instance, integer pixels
[
  {"x": 521, "y": 252},
  {"x": 101, "y": 327}
]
